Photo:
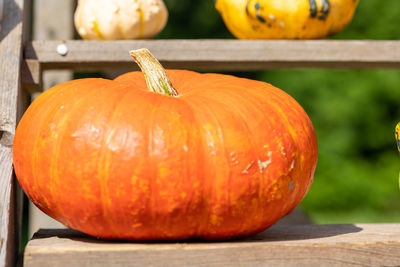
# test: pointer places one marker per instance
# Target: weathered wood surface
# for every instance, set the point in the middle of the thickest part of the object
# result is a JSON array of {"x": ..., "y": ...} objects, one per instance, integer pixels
[
  {"x": 1, "y": 12},
  {"x": 301, "y": 245},
  {"x": 31, "y": 76},
  {"x": 10, "y": 58},
  {"x": 227, "y": 55}
]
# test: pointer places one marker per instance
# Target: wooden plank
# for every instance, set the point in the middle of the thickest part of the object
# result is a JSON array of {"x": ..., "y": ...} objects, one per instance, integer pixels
[
  {"x": 31, "y": 76},
  {"x": 53, "y": 19},
  {"x": 227, "y": 55},
  {"x": 10, "y": 58},
  {"x": 301, "y": 245},
  {"x": 1, "y": 12}
]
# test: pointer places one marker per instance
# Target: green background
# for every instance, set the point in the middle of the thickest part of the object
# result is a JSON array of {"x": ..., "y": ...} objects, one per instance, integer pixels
[{"x": 354, "y": 113}]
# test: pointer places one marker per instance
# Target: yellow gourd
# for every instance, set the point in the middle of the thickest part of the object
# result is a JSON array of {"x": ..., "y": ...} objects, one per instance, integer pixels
[
  {"x": 285, "y": 19},
  {"x": 120, "y": 19}
]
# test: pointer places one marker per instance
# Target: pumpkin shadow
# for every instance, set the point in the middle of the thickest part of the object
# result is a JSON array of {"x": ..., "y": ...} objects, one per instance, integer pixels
[
  {"x": 303, "y": 232},
  {"x": 273, "y": 234}
]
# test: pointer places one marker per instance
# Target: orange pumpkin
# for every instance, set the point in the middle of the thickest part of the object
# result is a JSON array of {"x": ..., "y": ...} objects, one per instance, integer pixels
[{"x": 221, "y": 157}]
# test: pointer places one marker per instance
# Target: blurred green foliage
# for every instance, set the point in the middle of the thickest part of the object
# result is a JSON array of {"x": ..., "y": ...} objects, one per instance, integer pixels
[{"x": 354, "y": 113}]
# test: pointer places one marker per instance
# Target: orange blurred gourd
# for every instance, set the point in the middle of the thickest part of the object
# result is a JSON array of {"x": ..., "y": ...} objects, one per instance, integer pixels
[{"x": 219, "y": 157}]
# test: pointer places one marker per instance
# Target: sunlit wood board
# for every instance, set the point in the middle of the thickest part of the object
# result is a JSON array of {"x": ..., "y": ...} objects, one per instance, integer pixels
[{"x": 281, "y": 245}]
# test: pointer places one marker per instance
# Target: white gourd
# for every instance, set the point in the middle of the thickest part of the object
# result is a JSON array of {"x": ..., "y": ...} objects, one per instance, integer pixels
[{"x": 120, "y": 19}]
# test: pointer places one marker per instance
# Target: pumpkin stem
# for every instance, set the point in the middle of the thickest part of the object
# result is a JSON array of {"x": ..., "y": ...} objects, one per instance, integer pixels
[{"x": 156, "y": 78}]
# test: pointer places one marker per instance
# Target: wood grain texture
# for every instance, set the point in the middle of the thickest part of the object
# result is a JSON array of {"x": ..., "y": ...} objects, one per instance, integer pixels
[
  {"x": 281, "y": 245},
  {"x": 10, "y": 58},
  {"x": 227, "y": 55}
]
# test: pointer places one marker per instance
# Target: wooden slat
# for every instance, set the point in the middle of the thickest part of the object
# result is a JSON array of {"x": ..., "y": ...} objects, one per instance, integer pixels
[
  {"x": 10, "y": 58},
  {"x": 301, "y": 245},
  {"x": 31, "y": 76},
  {"x": 1, "y": 12},
  {"x": 227, "y": 55}
]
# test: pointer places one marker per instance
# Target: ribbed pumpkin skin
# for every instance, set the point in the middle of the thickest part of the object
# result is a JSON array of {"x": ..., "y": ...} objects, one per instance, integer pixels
[
  {"x": 227, "y": 158},
  {"x": 285, "y": 19}
]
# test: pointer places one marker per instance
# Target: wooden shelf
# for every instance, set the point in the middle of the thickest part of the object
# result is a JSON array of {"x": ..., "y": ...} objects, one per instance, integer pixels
[
  {"x": 212, "y": 55},
  {"x": 281, "y": 245}
]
